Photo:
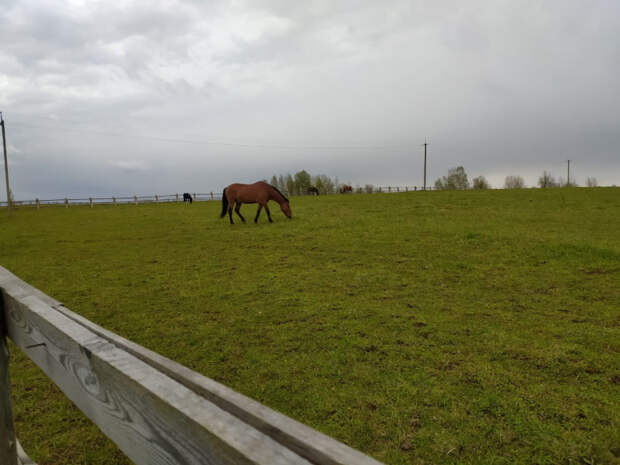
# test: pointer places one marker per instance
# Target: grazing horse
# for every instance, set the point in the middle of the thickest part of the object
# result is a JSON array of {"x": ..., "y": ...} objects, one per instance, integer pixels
[
  {"x": 259, "y": 192},
  {"x": 346, "y": 189},
  {"x": 187, "y": 197},
  {"x": 313, "y": 190}
]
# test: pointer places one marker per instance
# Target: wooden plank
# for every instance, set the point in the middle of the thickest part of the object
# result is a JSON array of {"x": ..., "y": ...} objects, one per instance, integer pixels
[
  {"x": 305, "y": 441},
  {"x": 152, "y": 418},
  {"x": 8, "y": 442}
]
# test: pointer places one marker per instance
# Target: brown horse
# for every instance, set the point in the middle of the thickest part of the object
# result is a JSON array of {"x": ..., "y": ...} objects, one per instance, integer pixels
[
  {"x": 259, "y": 192},
  {"x": 346, "y": 189},
  {"x": 313, "y": 190}
]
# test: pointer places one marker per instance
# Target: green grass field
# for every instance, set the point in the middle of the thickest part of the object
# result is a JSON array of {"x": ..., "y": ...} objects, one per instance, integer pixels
[{"x": 428, "y": 327}]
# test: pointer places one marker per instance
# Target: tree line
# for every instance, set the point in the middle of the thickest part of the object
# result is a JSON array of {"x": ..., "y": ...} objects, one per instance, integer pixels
[
  {"x": 457, "y": 180},
  {"x": 298, "y": 183}
]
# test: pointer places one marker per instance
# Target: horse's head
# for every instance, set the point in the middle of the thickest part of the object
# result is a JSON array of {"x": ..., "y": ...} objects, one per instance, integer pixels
[{"x": 286, "y": 209}]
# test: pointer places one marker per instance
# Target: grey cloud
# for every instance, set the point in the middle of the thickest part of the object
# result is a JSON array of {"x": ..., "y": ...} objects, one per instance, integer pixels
[{"x": 498, "y": 87}]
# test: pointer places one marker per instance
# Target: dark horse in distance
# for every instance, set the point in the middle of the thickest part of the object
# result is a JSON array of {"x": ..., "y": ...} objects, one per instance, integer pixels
[
  {"x": 187, "y": 197},
  {"x": 259, "y": 192},
  {"x": 313, "y": 190}
]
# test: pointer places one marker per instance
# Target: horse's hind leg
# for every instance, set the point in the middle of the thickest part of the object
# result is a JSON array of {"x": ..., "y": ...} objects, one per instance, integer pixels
[
  {"x": 237, "y": 208},
  {"x": 258, "y": 213},
  {"x": 230, "y": 208}
]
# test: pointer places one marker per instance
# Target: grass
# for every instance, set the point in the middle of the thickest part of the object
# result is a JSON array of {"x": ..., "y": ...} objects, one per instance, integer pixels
[{"x": 428, "y": 327}]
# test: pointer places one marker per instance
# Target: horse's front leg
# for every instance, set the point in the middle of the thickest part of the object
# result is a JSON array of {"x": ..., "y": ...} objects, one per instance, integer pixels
[
  {"x": 268, "y": 213},
  {"x": 258, "y": 213},
  {"x": 237, "y": 208}
]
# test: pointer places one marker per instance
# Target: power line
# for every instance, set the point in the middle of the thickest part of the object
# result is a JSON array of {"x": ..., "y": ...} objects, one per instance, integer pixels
[{"x": 212, "y": 142}]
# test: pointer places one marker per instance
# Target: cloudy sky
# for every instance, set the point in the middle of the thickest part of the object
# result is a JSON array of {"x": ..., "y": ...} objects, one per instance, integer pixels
[{"x": 144, "y": 97}]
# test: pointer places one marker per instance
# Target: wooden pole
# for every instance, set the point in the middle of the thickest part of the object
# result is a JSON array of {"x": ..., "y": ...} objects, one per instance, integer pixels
[
  {"x": 38, "y": 204},
  {"x": 177, "y": 197},
  {"x": 114, "y": 201},
  {"x": 6, "y": 167},
  {"x": 568, "y": 175},
  {"x": 8, "y": 442},
  {"x": 425, "y": 164},
  {"x": 135, "y": 200},
  {"x": 91, "y": 201},
  {"x": 195, "y": 197},
  {"x": 211, "y": 195},
  {"x": 66, "y": 202}
]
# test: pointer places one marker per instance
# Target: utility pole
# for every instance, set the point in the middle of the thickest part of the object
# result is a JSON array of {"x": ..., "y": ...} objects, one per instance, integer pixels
[
  {"x": 6, "y": 167},
  {"x": 425, "y": 144},
  {"x": 568, "y": 174}
]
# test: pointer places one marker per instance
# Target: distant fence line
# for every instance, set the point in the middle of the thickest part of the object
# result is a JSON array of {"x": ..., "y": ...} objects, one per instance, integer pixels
[{"x": 167, "y": 198}]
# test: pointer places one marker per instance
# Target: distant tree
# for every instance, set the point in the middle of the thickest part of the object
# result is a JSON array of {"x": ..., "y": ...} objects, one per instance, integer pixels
[
  {"x": 514, "y": 182},
  {"x": 281, "y": 183},
  {"x": 456, "y": 180},
  {"x": 480, "y": 182},
  {"x": 546, "y": 180},
  {"x": 289, "y": 184},
  {"x": 591, "y": 182},
  {"x": 318, "y": 183},
  {"x": 329, "y": 186},
  {"x": 274, "y": 182},
  {"x": 302, "y": 182}
]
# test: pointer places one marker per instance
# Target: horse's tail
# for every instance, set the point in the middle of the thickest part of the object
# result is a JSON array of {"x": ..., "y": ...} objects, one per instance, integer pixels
[{"x": 224, "y": 204}]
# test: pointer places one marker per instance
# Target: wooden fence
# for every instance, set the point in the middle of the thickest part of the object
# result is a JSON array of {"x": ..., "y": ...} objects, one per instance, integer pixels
[
  {"x": 156, "y": 198},
  {"x": 155, "y": 410}
]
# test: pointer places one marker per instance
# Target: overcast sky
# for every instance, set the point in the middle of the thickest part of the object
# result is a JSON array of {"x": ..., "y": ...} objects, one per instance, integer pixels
[{"x": 123, "y": 97}]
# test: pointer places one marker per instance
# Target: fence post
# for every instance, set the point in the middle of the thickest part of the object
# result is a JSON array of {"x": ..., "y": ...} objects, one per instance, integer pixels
[
  {"x": 211, "y": 195},
  {"x": 415, "y": 188},
  {"x": 90, "y": 199},
  {"x": 135, "y": 200},
  {"x": 397, "y": 189},
  {"x": 177, "y": 196},
  {"x": 379, "y": 189},
  {"x": 8, "y": 441},
  {"x": 114, "y": 201},
  {"x": 66, "y": 202},
  {"x": 406, "y": 188},
  {"x": 195, "y": 197},
  {"x": 156, "y": 198},
  {"x": 38, "y": 204},
  {"x": 389, "y": 189}
]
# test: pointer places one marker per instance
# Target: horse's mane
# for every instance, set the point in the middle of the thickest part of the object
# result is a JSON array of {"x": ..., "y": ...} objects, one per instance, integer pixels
[{"x": 278, "y": 191}]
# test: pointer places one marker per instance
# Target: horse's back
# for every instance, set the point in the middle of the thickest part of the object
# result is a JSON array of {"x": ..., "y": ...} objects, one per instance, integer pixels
[{"x": 248, "y": 193}]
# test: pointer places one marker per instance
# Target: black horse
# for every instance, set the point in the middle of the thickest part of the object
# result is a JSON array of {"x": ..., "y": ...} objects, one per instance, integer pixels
[{"x": 187, "y": 197}]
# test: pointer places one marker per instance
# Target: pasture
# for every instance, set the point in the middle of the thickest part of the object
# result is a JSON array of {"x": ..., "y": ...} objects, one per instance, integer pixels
[{"x": 425, "y": 327}]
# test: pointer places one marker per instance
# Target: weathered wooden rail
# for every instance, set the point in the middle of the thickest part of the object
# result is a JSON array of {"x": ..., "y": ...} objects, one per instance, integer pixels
[{"x": 156, "y": 410}]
